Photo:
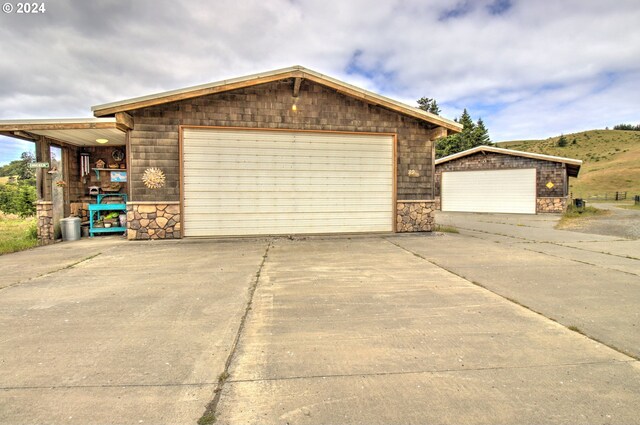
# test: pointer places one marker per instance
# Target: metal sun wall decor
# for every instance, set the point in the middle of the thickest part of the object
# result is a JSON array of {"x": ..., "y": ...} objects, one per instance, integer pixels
[{"x": 153, "y": 178}]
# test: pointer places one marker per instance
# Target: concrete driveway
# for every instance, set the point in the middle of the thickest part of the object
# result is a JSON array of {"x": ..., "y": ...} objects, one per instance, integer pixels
[
  {"x": 361, "y": 330},
  {"x": 587, "y": 281}
]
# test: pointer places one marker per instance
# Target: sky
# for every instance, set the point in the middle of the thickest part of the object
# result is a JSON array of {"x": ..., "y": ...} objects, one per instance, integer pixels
[{"x": 530, "y": 69}]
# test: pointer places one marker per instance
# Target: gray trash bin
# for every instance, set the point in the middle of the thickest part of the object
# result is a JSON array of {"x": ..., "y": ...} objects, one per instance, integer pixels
[{"x": 70, "y": 228}]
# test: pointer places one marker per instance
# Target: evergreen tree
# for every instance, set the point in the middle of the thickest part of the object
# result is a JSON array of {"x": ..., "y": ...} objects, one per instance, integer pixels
[
  {"x": 562, "y": 141},
  {"x": 482, "y": 134},
  {"x": 472, "y": 135},
  {"x": 428, "y": 104}
]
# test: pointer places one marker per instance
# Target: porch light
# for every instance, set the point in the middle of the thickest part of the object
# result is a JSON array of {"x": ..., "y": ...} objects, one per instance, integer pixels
[{"x": 102, "y": 141}]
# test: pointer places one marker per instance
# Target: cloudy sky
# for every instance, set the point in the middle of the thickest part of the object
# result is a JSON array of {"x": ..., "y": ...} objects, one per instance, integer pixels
[{"x": 529, "y": 68}]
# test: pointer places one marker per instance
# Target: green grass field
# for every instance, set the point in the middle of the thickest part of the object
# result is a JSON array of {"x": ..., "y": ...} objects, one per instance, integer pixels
[
  {"x": 611, "y": 159},
  {"x": 16, "y": 234}
]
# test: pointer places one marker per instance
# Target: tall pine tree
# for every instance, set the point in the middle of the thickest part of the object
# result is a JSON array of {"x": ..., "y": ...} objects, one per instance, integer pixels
[
  {"x": 482, "y": 134},
  {"x": 428, "y": 104},
  {"x": 472, "y": 135}
]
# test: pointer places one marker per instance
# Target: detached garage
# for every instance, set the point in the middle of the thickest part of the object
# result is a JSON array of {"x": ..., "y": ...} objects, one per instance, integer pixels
[{"x": 496, "y": 180}]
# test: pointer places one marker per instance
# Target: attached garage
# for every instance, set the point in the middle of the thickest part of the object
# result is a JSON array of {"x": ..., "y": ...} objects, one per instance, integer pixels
[
  {"x": 497, "y": 191},
  {"x": 289, "y": 151},
  {"x": 252, "y": 182},
  {"x": 495, "y": 180}
]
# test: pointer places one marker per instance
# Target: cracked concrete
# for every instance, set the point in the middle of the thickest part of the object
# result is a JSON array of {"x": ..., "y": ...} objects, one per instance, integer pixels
[
  {"x": 137, "y": 334},
  {"x": 354, "y": 330},
  {"x": 361, "y": 331},
  {"x": 583, "y": 280}
]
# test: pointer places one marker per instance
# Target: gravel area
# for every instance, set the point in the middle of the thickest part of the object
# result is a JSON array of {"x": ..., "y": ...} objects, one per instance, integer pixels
[{"x": 622, "y": 222}]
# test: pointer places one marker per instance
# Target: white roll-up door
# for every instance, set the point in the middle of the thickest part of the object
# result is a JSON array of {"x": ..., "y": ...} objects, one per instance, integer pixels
[
  {"x": 260, "y": 182},
  {"x": 496, "y": 191}
]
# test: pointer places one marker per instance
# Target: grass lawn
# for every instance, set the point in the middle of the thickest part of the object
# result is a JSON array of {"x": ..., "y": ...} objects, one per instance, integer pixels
[
  {"x": 16, "y": 234},
  {"x": 573, "y": 216}
]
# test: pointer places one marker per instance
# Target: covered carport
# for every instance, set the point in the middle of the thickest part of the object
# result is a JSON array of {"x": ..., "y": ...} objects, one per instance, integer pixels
[{"x": 61, "y": 184}]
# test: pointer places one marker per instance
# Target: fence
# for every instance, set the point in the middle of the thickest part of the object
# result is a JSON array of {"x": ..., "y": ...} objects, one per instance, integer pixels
[{"x": 609, "y": 196}]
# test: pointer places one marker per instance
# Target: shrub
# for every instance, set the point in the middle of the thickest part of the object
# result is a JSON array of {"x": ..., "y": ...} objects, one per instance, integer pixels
[{"x": 18, "y": 199}]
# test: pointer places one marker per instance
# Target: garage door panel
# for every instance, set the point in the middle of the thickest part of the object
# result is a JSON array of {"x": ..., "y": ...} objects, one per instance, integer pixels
[
  {"x": 284, "y": 156},
  {"x": 261, "y": 182},
  {"x": 312, "y": 210},
  {"x": 316, "y": 147},
  {"x": 494, "y": 191},
  {"x": 292, "y": 172},
  {"x": 306, "y": 186}
]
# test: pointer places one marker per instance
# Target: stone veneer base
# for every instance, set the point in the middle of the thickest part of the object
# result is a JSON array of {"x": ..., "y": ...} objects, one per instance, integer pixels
[
  {"x": 44, "y": 214},
  {"x": 153, "y": 220},
  {"x": 150, "y": 220},
  {"x": 543, "y": 205},
  {"x": 551, "y": 205},
  {"x": 415, "y": 216}
]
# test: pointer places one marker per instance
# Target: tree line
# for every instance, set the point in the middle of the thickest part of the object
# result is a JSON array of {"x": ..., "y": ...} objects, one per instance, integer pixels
[
  {"x": 473, "y": 133},
  {"x": 628, "y": 127},
  {"x": 18, "y": 193}
]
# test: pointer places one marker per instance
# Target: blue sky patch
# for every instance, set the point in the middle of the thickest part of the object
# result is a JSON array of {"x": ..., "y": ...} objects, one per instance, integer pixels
[
  {"x": 459, "y": 10},
  {"x": 498, "y": 7}
]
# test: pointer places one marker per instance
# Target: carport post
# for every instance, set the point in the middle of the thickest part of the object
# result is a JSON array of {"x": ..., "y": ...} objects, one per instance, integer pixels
[
  {"x": 44, "y": 205},
  {"x": 43, "y": 178}
]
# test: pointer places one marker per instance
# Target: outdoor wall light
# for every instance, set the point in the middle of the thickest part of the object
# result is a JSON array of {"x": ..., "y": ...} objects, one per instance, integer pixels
[{"x": 102, "y": 141}]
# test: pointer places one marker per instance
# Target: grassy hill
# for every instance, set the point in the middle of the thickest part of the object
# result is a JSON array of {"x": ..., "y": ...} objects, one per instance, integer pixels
[{"x": 611, "y": 159}]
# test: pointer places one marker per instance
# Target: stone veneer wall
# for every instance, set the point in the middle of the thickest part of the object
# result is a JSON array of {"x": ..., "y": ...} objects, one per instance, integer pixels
[
  {"x": 551, "y": 205},
  {"x": 44, "y": 213},
  {"x": 151, "y": 220},
  {"x": 415, "y": 216}
]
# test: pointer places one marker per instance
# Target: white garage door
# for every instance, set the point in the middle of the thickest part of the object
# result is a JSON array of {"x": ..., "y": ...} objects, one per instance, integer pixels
[
  {"x": 497, "y": 191},
  {"x": 239, "y": 182}
]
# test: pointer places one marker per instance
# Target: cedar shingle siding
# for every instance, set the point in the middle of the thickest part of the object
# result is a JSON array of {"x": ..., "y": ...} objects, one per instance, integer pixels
[
  {"x": 546, "y": 170},
  {"x": 154, "y": 139}
]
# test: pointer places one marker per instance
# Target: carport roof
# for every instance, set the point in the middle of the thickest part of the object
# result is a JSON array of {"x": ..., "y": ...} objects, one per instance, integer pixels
[
  {"x": 297, "y": 72},
  {"x": 74, "y": 131},
  {"x": 573, "y": 165}
]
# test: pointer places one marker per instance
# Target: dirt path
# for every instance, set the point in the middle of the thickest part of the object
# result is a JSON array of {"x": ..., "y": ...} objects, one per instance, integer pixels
[{"x": 621, "y": 222}]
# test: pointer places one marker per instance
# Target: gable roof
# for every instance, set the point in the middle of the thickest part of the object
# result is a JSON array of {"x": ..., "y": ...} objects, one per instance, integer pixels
[
  {"x": 270, "y": 76},
  {"x": 573, "y": 165}
]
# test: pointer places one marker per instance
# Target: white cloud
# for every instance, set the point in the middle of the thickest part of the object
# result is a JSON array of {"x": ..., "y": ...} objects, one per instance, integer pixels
[{"x": 533, "y": 70}]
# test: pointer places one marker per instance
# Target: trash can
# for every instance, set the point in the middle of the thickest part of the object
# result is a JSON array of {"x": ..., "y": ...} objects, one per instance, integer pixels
[
  {"x": 70, "y": 228},
  {"x": 578, "y": 202}
]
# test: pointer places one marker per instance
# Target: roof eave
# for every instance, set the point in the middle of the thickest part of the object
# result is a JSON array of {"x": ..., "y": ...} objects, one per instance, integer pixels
[
  {"x": 569, "y": 161},
  {"x": 267, "y": 77}
]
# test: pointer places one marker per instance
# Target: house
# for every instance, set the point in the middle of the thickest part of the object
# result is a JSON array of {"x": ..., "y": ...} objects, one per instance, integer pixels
[
  {"x": 496, "y": 180},
  {"x": 289, "y": 151}
]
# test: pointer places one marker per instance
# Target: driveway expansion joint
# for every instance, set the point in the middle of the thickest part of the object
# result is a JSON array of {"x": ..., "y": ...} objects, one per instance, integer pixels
[
  {"x": 419, "y": 372},
  {"x": 579, "y": 261},
  {"x": 71, "y": 387},
  {"x": 516, "y": 302},
  {"x": 49, "y": 273},
  {"x": 210, "y": 409}
]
